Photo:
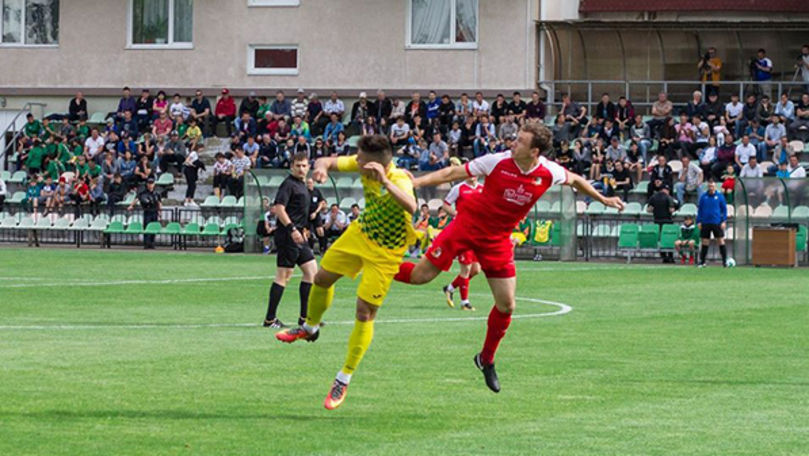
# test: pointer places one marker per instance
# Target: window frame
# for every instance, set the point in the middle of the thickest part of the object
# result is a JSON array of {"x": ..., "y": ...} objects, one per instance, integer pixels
[
  {"x": 453, "y": 18},
  {"x": 273, "y": 3},
  {"x": 22, "y": 43},
  {"x": 251, "y": 61},
  {"x": 170, "y": 44}
]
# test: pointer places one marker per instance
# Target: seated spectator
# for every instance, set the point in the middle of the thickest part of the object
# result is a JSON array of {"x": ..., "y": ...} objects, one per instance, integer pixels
[
  {"x": 355, "y": 213},
  {"x": 241, "y": 164},
  {"x": 3, "y": 192},
  {"x": 780, "y": 155},
  {"x": 641, "y": 134},
  {"x": 160, "y": 105},
  {"x": 499, "y": 109},
  {"x": 126, "y": 103},
  {"x": 142, "y": 109},
  {"x": 333, "y": 128},
  {"x": 382, "y": 106},
  {"x": 222, "y": 171},
  {"x": 765, "y": 112},
  {"x": 432, "y": 104},
  {"x": 755, "y": 131},
  {"x": 743, "y": 152},
  {"x": 77, "y": 108},
  {"x": 80, "y": 195},
  {"x": 686, "y": 137},
  {"x": 728, "y": 179},
  {"x": 634, "y": 161},
  {"x": 463, "y": 108},
  {"x": 300, "y": 127},
  {"x": 439, "y": 148},
  {"x": 334, "y": 106},
  {"x": 246, "y": 126},
  {"x": 772, "y": 135},
  {"x": 609, "y": 130},
  {"x": 622, "y": 181},
  {"x": 687, "y": 240},
  {"x": 399, "y": 133},
  {"x": 301, "y": 147},
  {"x": 362, "y": 109},
  {"x": 689, "y": 180},
  {"x": 162, "y": 126},
  {"x": 282, "y": 131},
  {"x": 126, "y": 168},
  {"x": 668, "y": 139},
  {"x": 749, "y": 112},
  {"x": 225, "y": 112},
  {"x": 47, "y": 191},
  {"x": 714, "y": 110},
  {"x": 249, "y": 105},
  {"x": 429, "y": 160},
  {"x": 661, "y": 112},
  {"x": 446, "y": 112},
  {"x": 96, "y": 197},
  {"x": 564, "y": 156},
  {"x": 93, "y": 145},
  {"x": 176, "y": 108},
  {"x": 397, "y": 109},
  {"x": 662, "y": 206},
  {"x": 201, "y": 112},
  {"x": 341, "y": 147},
  {"x": 251, "y": 148},
  {"x": 661, "y": 171},
  {"x": 581, "y": 158},
  {"x": 480, "y": 107},
  {"x": 535, "y": 111},
  {"x": 35, "y": 157},
  {"x": 267, "y": 153},
  {"x": 615, "y": 151},
  {"x": 416, "y": 111},
  {"x": 753, "y": 170},
  {"x": 517, "y": 107},
  {"x": 794, "y": 169},
  {"x": 109, "y": 168},
  {"x": 734, "y": 114},
  {"x": 725, "y": 156},
  {"x": 597, "y": 158},
  {"x": 61, "y": 194},
  {"x": 143, "y": 171},
  {"x": 485, "y": 137},
  {"x": 316, "y": 116},
  {"x": 799, "y": 128},
  {"x": 336, "y": 222},
  {"x": 624, "y": 115},
  {"x": 320, "y": 149},
  {"x": 370, "y": 127},
  {"x": 695, "y": 107},
  {"x": 194, "y": 134},
  {"x": 605, "y": 109},
  {"x": 785, "y": 109},
  {"x": 173, "y": 152}
]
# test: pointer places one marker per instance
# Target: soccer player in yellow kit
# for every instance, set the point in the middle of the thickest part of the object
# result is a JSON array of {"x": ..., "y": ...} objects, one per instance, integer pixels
[{"x": 373, "y": 244}]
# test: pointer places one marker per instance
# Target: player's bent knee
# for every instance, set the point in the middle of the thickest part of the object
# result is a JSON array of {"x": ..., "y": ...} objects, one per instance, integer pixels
[
  {"x": 365, "y": 310},
  {"x": 506, "y": 306},
  {"x": 325, "y": 279}
]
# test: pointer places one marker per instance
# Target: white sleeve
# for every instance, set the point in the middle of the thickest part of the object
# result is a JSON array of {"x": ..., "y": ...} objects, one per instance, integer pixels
[
  {"x": 558, "y": 172},
  {"x": 483, "y": 166},
  {"x": 453, "y": 194}
]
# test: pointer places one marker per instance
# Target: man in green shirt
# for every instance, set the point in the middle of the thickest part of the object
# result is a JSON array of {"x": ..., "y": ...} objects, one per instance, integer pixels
[
  {"x": 32, "y": 128},
  {"x": 94, "y": 170},
  {"x": 81, "y": 168},
  {"x": 36, "y": 156},
  {"x": 82, "y": 130},
  {"x": 687, "y": 240},
  {"x": 55, "y": 169}
]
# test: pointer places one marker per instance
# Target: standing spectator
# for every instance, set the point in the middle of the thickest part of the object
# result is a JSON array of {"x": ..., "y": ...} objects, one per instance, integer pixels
[
  {"x": 662, "y": 206},
  {"x": 801, "y": 123},
  {"x": 762, "y": 73},
  {"x": 115, "y": 192},
  {"x": 661, "y": 110},
  {"x": 249, "y": 105},
  {"x": 382, "y": 106},
  {"x": 222, "y": 170},
  {"x": 689, "y": 180},
  {"x": 711, "y": 218},
  {"x": 3, "y": 192},
  {"x": 149, "y": 200},
  {"x": 225, "y": 111},
  {"x": 334, "y": 106},
  {"x": 803, "y": 64},
  {"x": 316, "y": 115},
  {"x": 191, "y": 166},
  {"x": 535, "y": 111},
  {"x": 734, "y": 113},
  {"x": 336, "y": 222},
  {"x": 241, "y": 164},
  {"x": 77, "y": 108},
  {"x": 624, "y": 115},
  {"x": 126, "y": 103},
  {"x": 143, "y": 110},
  {"x": 517, "y": 107},
  {"x": 709, "y": 68},
  {"x": 201, "y": 112}
]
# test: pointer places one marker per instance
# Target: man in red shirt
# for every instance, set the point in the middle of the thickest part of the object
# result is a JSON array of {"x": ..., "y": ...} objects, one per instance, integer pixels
[
  {"x": 458, "y": 196},
  {"x": 514, "y": 182},
  {"x": 225, "y": 111}
]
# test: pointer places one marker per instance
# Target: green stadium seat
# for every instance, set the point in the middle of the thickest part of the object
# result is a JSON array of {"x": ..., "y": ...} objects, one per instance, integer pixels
[
  {"x": 688, "y": 209},
  {"x": 16, "y": 199},
  {"x": 595, "y": 208},
  {"x": 602, "y": 230},
  {"x": 63, "y": 223},
  {"x": 97, "y": 118},
  {"x": 353, "y": 140},
  {"x": 556, "y": 207},
  {"x": 214, "y": 219},
  {"x": 645, "y": 212},
  {"x": 172, "y": 228},
  {"x": 119, "y": 218},
  {"x": 275, "y": 181},
  {"x": 642, "y": 187},
  {"x": 344, "y": 182},
  {"x": 228, "y": 227},
  {"x": 542, "y": 206},
  {"x": 43, "y": 223},
  {"x": 648, "y": 237},
  {"x": 610, "y": 211},
  {"x": 26, "y": 223},
  {"x": 228, "y": 201},
  {"x": 357, "y": 184},
  {"x": 100, "y": 224},
  {"x": 81, "y": 224},
  {"x": 115, "y": 227},
  {"x": 211, "y": 229},
  {"x": 18, "y": 178},
  {"x": 135, "y": 218},
  {"x": 8, "y": 222},
  {"x": 800, "y": 239},
  {"x": 211, "y": 202},
  {"x": 134, "y": 228},
  {"x": 165, "y": 180},
  {"x": 5, "y": 175},
  {"x": 127, "y": 200},
  {"x": 153, "y": 228},
  {"x": 628, "y": 236},
  {"x": 264, "y": 181},
  {"x": 232, "y": 220},
  {"x": 668, "y": 234},
  {"x": 240, "y": 202},
  {"x": 345, "y": 203},
  {"x": 800, "y": 213},
  {"x": 781, "y": 212},
  {"x": 331, "y": 200},
  {"x": 191, "y": 229},
  {"x": 633, "y": 209}
]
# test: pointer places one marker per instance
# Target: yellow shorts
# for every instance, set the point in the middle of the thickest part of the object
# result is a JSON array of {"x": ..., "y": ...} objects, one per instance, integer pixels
[{"x": 353, "y": 253}]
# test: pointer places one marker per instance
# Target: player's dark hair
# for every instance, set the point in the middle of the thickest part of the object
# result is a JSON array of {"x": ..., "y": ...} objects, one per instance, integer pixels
[
  {"x": 377, "y": 147},
  {"x": 542, "y": 137},
  {"x": 300, "y": 156}
]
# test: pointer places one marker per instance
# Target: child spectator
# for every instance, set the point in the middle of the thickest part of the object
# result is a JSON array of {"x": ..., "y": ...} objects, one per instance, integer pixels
[
  {"x": 729, "y": 182},
  {"x": 687, "y": 240},
  {"x": 222, "y": 170}
]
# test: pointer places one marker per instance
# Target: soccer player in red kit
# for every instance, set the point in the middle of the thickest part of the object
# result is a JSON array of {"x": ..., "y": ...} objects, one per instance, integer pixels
[
  {"x": 514, "y": 182},
  {"x": 458, "y": 196}
]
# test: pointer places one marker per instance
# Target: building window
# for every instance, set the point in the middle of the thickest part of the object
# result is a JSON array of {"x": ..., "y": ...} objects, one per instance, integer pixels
[
  {"x": 443, "y": 24},
  {"x": 273, "y": 2},
  {"x": 30, "y": 22},
  {"x": 161, "y": 23},
  {"x": 273, "y": 60}
]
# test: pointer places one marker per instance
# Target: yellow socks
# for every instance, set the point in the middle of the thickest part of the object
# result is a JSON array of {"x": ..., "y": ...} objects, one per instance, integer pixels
[
  {"x": 319, "y": 301},
  {"x": 358, "y": 342}
]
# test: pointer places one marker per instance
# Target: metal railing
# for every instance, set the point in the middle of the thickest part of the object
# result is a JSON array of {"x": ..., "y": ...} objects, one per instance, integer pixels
[
  {"x": 643, "y": 93},
  {"x": 11, "y": 128}
]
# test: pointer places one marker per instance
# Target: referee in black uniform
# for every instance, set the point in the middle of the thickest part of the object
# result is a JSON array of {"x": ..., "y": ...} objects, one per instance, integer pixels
[{"x": 292, "y": 211}]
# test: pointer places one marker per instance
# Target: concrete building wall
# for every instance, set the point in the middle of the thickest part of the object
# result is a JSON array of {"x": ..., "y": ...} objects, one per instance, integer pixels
[{"x": 343, "y": 44}]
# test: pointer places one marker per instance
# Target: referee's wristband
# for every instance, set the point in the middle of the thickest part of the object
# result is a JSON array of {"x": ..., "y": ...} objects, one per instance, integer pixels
[{"x": 290, "y": 227}]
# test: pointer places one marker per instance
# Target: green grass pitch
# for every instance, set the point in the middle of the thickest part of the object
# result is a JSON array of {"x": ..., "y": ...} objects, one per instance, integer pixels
[{"x": 133, "y": 353}]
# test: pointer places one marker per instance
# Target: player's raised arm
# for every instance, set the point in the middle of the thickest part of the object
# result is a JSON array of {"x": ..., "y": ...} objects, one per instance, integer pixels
[
  {"x": 322, "y": 167},
  {"x": 579, "y": 183},
  {"x": 448, "y": 174}
]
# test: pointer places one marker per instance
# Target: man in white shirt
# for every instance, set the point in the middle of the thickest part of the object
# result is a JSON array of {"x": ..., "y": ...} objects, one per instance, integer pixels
[
  {"x": 744, "y": 151},
  {"x": 752, "y": 169},
  {"x": 479, "y": 105},
  {"x": 334, "y": 106},
  {"x": 795, "y": 170},
  {"x": 336, "y": 221},
  {"x": 93, "y": 144},
  {"x": 689, "y": 180},
  {"x": 733, "y": 113}
]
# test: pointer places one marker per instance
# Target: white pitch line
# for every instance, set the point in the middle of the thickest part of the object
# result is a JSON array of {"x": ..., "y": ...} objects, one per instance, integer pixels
[
  {"x": 62, "y": 283},
  {"x": 563, "y": 309}
]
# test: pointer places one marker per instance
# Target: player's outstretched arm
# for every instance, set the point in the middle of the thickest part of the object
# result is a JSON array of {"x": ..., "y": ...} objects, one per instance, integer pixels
[
  {"x": 442, "y": 176},
  {"x": 322, "y": 167},
  {"x": 579, "y": 183},
  {"x": 403, "y": 198}
]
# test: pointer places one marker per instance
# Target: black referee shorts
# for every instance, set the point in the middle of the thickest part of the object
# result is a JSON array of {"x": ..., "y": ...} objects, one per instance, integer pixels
[
  {"x": 290, "y": 254},
  {"x": 709, "y": 228}
]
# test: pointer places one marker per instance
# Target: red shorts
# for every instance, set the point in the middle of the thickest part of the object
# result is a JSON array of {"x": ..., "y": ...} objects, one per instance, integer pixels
[
  {"x": 494, "y": 252},
  {"x": 468, "y": 257}
]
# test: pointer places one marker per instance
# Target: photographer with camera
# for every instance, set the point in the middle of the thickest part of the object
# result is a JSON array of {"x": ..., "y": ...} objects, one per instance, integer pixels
[
  {"x": 709, "y": 66},
  {"x": 761, "y": 72}
]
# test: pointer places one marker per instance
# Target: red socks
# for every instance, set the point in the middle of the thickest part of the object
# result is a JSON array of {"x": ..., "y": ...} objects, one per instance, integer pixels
[
  {"x": 405, "y": 269},
  {"x": 498, "y": 324},
  {"x": 462, "y": 285}
]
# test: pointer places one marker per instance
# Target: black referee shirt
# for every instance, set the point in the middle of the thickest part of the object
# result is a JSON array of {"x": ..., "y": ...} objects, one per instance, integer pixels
[{"x": 294, "y": 196}]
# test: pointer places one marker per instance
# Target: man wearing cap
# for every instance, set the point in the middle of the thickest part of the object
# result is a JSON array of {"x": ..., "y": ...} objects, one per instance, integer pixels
[
  {"x": 281, "y": 108},
  {"x": 149, "y": 200},
  {"x": 249, "y": 104},
  {"x": 225, "y": 111},
  {"x": 299, "y": 105}
]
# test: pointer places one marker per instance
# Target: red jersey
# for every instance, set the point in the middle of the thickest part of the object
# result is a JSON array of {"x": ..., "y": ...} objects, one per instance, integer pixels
[
  {"x": 509, "y": 193},
  {"x": 461, "y": 193}
]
